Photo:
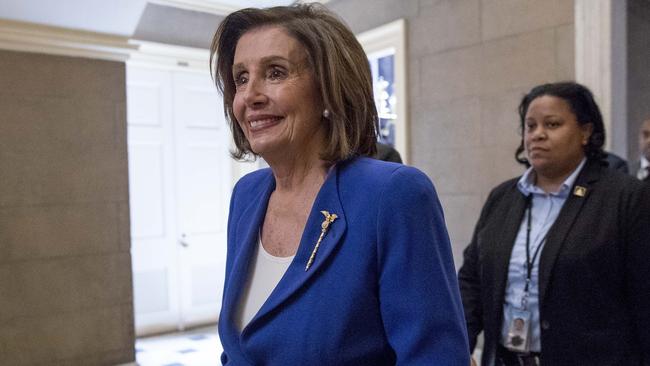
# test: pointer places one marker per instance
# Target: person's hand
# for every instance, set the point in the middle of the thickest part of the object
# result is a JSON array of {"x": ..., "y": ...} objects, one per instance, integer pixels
[{"x": 472, "y": 361}]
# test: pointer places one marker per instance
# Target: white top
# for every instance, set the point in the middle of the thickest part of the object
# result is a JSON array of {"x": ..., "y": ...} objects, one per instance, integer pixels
[{"x": 266, "y": 271}]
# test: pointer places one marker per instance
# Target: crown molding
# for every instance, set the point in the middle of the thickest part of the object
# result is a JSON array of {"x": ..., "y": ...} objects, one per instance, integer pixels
[
  {"x": 30, "y": 37},
  {"x": 160, "y": 55},
  {"x": 204, "y": 6}
]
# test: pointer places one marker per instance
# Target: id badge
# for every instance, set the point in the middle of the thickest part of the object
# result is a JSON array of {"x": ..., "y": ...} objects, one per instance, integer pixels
[{"x": 518, "y": 339}]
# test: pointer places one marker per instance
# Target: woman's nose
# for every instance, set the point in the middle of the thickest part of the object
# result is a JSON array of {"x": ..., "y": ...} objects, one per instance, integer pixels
[
  {"x": 255, "y": 93},
  {"x": 538, "y": 133}
]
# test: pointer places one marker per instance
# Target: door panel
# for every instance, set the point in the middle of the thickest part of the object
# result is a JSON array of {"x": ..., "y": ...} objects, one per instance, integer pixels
[
  {"x": 151, "y": 189},
  {"x": 204, "y": 181},
  {"x": 179, "y": 181}
]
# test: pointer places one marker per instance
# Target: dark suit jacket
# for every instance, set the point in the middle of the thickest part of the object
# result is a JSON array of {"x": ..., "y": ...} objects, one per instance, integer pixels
[
  {"x": 594, "y": 276},
  {"x": 617, "y": 163},
  {"x": 382, "y": 289},
  {"x": 387, "y": 153}
]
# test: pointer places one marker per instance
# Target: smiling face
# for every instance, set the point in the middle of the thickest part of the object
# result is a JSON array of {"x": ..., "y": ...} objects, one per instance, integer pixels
[
  {"x": 554, "y": 141},
  {"x": 276, "y": 103}
]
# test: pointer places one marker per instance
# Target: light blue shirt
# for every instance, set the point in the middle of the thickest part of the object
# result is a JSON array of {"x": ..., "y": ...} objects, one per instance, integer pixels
[{"x": 546, "y": 207}]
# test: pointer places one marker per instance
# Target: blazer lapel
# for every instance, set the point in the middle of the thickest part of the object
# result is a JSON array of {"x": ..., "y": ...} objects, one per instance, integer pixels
[
  {"x": 564, "y": 223},
  {"x": 296, "y": 276},
  {"x": 247, "y": 236}
]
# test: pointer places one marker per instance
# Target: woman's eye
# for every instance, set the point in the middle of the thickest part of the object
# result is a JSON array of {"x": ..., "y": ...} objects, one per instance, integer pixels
[
  {"x": 552, "y": 124},
  {"x": 276, "y": 73},
  {"x": 240, "y": 79}
]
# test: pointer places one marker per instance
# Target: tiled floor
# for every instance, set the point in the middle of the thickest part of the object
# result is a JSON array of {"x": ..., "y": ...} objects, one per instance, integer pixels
[{"x": 198, "y": 347}]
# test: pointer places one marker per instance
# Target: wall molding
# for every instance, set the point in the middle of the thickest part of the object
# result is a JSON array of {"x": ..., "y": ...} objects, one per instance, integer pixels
[
  {"x": 30, "y": 37},
  {"x": 160, "y": 55},
  {"x": 204, "y": 6}
]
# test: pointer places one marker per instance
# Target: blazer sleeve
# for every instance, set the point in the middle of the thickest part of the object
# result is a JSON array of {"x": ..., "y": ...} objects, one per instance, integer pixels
[
  {"x": 469, "y": 279},
  {"x": 637, "y": 267},
  {"x": 418, "y": 290}
]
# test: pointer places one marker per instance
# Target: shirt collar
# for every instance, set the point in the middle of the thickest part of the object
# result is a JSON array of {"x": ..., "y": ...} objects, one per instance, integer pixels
[{"x": 526, "y": 183}]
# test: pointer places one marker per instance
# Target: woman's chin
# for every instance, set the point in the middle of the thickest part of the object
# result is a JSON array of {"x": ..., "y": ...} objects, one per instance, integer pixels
[
  {"x": 541, "y": 166},
  {"x": 266, "y": 150}
]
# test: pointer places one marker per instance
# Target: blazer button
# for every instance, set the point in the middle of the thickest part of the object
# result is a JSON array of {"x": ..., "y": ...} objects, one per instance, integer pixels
[{"x": 545, "y": 324}]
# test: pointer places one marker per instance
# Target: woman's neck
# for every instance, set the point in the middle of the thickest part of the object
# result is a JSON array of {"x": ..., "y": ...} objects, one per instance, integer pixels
[
  {"x": 550, "y": 181},
  {"x": 297, "y": 173},
  {"x": 550, "y": 184}
]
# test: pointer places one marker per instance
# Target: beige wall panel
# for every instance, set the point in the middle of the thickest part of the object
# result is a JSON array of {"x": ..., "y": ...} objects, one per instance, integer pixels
[
  {"x": 124, "y": 226},
  {"x": 33, "y": 232},
  {"x": 60, "y": 152},
  {"x": 451, "y": 75},
  {"x": 425, "y": 4},
  {"x": 93, "y": 337},
  {"x": 448, "y": 124},
  {"x": 429, "y": 30},
  {"x": 119, "y": 136},
  {"x": 65, "y": 268},
  {"x": 501, "y": 18},
  {"x": 453, "y": 170},
  {"x": 564, "y": 53},
  {"x": 521, "y": 61},
  {"x": 414, "y": 74},
  {"x": 56, "y": 286},
  {"x": 500, "y": 119},
  {"x": 461, "y": 214},
  {"x": 61, "y": 76},
  {"x": 498, "y": 164}
]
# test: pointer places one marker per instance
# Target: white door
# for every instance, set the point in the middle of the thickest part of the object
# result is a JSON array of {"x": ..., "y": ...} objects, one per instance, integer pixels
[
  {"x": 203, "y": 188},
  {"x": 179, "y": 182}
]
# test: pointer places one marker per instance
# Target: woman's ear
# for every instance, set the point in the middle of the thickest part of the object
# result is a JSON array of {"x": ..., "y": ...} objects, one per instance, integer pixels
[{"x": 587, "y": 130}]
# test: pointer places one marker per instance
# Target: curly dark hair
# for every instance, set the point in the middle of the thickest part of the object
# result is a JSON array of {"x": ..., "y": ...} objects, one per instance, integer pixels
[{"x": 582, "y": 104}]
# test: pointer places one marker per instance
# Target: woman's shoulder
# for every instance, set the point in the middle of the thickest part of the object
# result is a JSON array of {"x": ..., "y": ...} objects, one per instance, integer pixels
[
  {"x": 364, "y": 169},
  {"x": 610, "y": 180}
]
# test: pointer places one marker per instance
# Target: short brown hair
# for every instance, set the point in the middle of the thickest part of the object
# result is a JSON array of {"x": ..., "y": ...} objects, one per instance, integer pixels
[{"x": 336, "y": 58}]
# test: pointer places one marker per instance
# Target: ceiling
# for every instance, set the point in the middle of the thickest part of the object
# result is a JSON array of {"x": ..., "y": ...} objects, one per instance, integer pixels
[{"x": 117, "y": 17}]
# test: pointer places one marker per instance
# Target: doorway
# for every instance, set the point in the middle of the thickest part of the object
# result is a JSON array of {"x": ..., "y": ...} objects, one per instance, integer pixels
[{"x": 180, "y": 176}]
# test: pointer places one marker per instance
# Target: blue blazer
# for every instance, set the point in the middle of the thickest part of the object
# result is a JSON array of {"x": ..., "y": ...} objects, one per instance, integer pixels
[{"x": 382, "y": 289}]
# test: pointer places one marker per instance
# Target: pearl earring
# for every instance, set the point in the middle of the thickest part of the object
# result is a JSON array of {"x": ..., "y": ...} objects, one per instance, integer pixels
[{"x": 326, "y": 113}]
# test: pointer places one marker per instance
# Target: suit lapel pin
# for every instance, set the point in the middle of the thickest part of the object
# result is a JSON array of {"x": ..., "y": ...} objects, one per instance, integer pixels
[
  {"x": 580, "y": 191},
  {"x": 329, "y": 218}
]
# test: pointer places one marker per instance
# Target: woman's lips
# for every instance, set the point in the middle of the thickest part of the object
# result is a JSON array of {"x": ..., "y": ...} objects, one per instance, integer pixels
[{"x": 257, "y": 124}]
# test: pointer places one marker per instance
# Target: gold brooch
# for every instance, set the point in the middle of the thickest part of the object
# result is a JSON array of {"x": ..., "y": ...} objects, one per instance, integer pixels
[{"x": 329, "y": 218}]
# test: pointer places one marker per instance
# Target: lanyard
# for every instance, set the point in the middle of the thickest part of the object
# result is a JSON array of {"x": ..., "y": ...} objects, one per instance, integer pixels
[{"x": 530, "y": 261}]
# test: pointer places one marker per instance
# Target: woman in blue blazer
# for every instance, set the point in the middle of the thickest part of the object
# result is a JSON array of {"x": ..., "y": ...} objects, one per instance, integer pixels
[{"x": 333, "y": 258}]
